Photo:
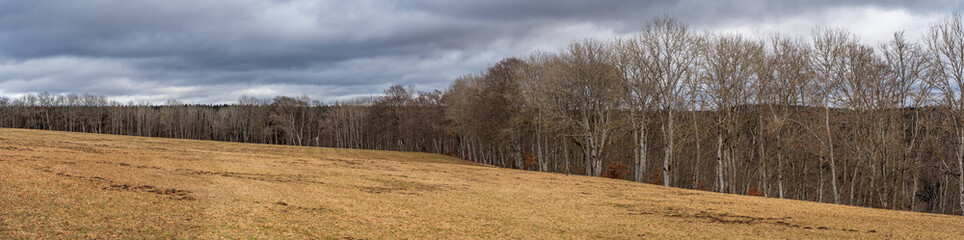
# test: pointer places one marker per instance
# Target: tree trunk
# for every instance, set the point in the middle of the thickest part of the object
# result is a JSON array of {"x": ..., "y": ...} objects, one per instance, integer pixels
[
  {"x": 833, "y": 164},
  {"x": 763, "y": 158},
  {"x": 780, "y": 173},
  {"x": 517, "y": 151},
  {"x": 699, "y": 151},
  {"x": 668, "y": 152},
  {"x": 719, "y": 162},
  {"x": 565, "y": 154},
  {"x": 960, "y": 168},
  {"x": 641, "y": 151},
  {"x": 588, "y": 159},
  {"x": 540, "y": 161},
  {"x": 597, "y": 163}
]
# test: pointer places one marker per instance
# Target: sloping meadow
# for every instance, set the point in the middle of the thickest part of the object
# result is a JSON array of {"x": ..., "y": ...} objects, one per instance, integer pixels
[{"x": 74, "y": 185}]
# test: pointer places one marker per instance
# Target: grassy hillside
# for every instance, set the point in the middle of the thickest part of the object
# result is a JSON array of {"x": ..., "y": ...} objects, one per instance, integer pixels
[{"x": 75, "y": 185}]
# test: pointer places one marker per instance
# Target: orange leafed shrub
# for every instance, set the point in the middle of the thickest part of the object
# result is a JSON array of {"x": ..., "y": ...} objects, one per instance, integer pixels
[
  {"x": 701, "y": 185},
  {"x": 656, "y": 177},
  {"x": 530, "y": 161},
  {"x": 754, "y": 191},
  {"x": 616, "y": 170}
]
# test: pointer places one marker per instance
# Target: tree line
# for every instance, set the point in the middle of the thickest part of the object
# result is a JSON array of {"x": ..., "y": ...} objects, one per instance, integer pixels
[
  {"x": 820, "y": 118},
  {"x": 402, "y": 120}
]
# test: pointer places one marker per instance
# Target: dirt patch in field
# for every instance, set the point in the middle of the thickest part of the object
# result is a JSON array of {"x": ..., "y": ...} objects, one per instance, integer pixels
[
  {"x": 286, "y": 207},
  {"x": 343, "y": 161},
  {"x": 13, "y": 148},
  {"x": 82, "y": 148},
  {"x": 327, "y": 163},
  {"x": 727, "y": 218},
  {"x": 712, "y": 217},
  {"x": 403, "y": 187},
  {"x": 791, "y": 225},
  {"x": 733, "y": 218},
  {"x": 682, "y": 193},
  {"x": 94, "y": 178},
  {"x": 279, "y": 178},
  {"x": 129, "y": 165},
  {"x": 68, "y": 175},
  {"x": 296, "y": 161},
  {"x": 176, "y": 194}
]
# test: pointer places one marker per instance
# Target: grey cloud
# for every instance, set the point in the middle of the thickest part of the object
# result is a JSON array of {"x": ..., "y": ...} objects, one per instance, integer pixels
[{"x": 210, "y": 50}]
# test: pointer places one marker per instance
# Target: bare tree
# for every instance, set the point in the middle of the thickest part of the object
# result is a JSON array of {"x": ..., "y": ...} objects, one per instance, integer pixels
[
  {"x": 289, "y": 115},
  {"x": 582, "y": 95},
  {"x": 907, "y": 91},
  {"x": 788, "y": 87},
  {"x": 672, "y": 52},
  {"x": 728, "y": 64},
  {"x": 945, "y": 45},
  {"x": 830, "y": 46},
  {"x": 634, "y": 61}
]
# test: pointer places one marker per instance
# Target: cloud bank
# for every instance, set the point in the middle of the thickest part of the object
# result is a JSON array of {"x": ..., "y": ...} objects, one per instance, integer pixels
[{"x": 207, "y": 51}]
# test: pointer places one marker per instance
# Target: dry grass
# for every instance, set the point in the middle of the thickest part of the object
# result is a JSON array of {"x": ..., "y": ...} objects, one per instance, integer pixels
[{"x": 70, "y": 185}]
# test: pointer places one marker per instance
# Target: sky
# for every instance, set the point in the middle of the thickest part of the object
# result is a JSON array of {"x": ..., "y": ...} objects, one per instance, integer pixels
[{"x": 213, "y": 51}]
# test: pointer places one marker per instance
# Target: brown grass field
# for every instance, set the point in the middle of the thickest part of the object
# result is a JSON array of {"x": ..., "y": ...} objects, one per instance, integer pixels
[{"x": 72, "y": 185}]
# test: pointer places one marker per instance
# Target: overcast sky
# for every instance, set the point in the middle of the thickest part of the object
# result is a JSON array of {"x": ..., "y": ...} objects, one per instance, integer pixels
[{"x": 208, "y": 51}]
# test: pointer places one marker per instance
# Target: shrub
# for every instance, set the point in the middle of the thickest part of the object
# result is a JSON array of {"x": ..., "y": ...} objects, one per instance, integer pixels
[
  {"x": 701, "y": 185},
  {"x": 616, "y": 170},
  {"x": 530, "y": 161},
  {"x": 656, "y": 177},
  {"x": 754, "y": 191}
]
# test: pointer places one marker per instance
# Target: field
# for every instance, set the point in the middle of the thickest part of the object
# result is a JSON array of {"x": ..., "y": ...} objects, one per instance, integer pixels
[{"x": 71, "y": 185}]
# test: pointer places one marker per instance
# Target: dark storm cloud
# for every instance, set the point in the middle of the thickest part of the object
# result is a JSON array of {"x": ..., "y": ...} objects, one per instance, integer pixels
[
  {"x": 636, "y": 12},
  {"x": 214, "y": 51}
]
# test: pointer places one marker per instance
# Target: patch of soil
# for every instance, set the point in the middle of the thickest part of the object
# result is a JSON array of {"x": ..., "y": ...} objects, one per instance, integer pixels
[
  {"x": 733, "y": 219},
  {"x": 377, "y": 190},
  {"x": 726, "y": 218},
  {"x": 296, "y": 161},
  {"x": 281, "y": 178},
  {"x": 160, "y": 149},
  {"x": 12, "y": 148},
  {"x": 346, "y": 162},
  {"x": 403, "y": 187},
  {"x": 83, "y": 148},
  {"x": 67, "y": 175},
  {"x": 176, "y": 194},
  {"x": 682, "y": 193},
  {"x": 285, "y": 207},
  {"x": 312, "y": 209},
  {"x": 129, "y": 165}
]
